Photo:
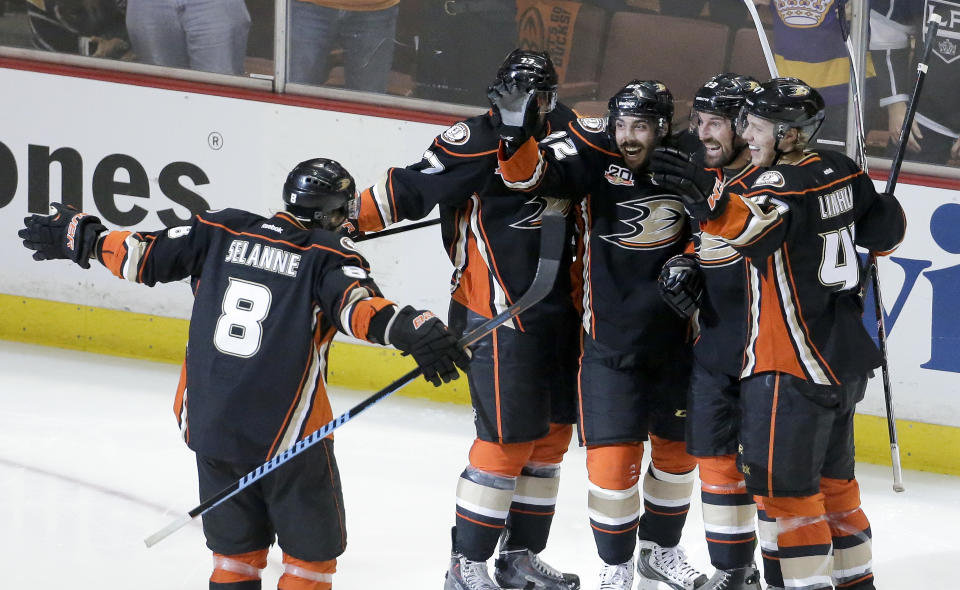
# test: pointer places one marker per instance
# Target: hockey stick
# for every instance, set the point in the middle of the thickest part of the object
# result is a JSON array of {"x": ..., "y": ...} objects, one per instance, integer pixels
[
  {"x": 397, "y": 230},
  {"x": 857, "y": 90},
  {"x": 764, "y": 43},
  {"x": 552, "y": 231},
  {"x": 872, "y": 269}
]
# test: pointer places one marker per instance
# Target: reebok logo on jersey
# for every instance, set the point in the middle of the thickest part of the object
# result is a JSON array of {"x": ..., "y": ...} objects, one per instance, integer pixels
[
  {"x": 275, "y": 228},
  {"x": 836, "y": 203},
  {"x": 770, "y": 178},
  {"x": 421, "y": 319}
]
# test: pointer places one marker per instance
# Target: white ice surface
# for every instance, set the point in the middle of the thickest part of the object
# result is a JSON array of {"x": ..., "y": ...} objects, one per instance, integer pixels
[{"x": 91, "y": 463}]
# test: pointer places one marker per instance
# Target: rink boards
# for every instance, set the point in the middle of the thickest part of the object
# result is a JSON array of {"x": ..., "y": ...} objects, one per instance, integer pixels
[{"x": 144, "y": 158}]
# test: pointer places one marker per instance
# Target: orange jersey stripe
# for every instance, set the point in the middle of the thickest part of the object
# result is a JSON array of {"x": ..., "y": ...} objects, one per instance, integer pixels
[
  {"x": 363, "y": 312},
  {"x": 113, "y": 252}
]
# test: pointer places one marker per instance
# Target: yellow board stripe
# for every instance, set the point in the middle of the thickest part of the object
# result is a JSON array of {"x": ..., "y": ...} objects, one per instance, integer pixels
[{"x": 923, "y": 446}]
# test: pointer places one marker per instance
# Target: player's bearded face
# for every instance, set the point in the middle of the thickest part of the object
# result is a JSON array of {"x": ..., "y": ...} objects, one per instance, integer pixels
[
  {"x": 636, "y": 137},
  {"x": 760, "y": 137},
  {"x": 718, "y": 139}
]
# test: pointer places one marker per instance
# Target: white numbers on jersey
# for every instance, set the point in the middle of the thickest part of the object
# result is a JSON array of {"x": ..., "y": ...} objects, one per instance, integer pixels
[
  {"x": 561, "y": 145},
  {"x": 436, "y": 166},
  {"x": 839, "y": 264},
  {"x": 240, "y": 330},
  {"x": 354, "y": 272}
]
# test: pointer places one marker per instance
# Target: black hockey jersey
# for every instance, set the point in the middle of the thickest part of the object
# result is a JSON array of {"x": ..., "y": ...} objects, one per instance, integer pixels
[
  {"x": 490, "y": 232},
  {"x": 269, "y": 295},
  {"x": 722, "y": 318},
  {"x": 799, "y": 225},
  {"x": 628, "y": 228}
]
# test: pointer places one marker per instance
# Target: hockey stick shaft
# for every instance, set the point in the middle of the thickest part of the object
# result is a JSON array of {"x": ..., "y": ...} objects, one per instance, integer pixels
[
  {"x": 934, "y": 24},
  {"x": 552, "y": 232},
  {"x": 397, "y": 230},
  {"x": 764, "y": 43}
]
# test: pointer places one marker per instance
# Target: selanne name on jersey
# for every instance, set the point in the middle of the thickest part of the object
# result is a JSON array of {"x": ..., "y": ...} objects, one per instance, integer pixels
[{"x": 263, "y": 257}]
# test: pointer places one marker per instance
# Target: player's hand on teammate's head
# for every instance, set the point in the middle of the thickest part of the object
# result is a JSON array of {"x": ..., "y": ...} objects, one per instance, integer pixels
[
  {"x": 517, "y": 109},
  {"x": 697, "y": 186},
  {"x": 65, "y": 234},
  {"x": 423, "y": 336}
]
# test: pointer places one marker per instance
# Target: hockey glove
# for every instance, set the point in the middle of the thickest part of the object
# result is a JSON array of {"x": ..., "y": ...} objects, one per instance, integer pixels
[
  {"x": 518, "y": 110},
  {"x": 697, "y": 186},
  {"x": 64, "y": 234},
  {"x": 423, "y": 336},
  {"x": 681, "y": 285}
]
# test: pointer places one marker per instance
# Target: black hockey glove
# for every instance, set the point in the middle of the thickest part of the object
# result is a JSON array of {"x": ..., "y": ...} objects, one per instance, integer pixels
[
  {"x": 423, "y": 336},
  {"x": 518, "y": 110},
  {"x": 681, "y": 285},
  {"x": 65, "y": 234},
  {"x": 677, "y": 171}
]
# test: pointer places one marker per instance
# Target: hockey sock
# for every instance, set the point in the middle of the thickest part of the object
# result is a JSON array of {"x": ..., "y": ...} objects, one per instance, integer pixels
[
  {"x": 667, "y": 485},
  {"x": 306, "y": 575},
  {"x": 804, "y": 541},
  {"x": 240, "y": 571},
  {"x": 613, "y": 500},
  {"x": 535, "y": 499},
  {"x": 852, "y": 538},
  {"x": 728, "y": 513},
  {"x": 767, "y": 532},
  {"x": 483, "y": 502},
  {"x": 531, "y": 511}
]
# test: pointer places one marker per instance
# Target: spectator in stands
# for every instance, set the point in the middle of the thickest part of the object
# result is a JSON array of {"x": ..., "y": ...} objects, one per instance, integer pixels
[
  {"x": 205, "y": 35},
  {"x": 82, "y": 27},
  {"x": 364, "y": 28}
]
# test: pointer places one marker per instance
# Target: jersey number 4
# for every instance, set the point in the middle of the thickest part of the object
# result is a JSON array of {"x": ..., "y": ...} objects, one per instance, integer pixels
[
  {"x": 239, "y": 329},
  {"x": 839, "y": 265}
]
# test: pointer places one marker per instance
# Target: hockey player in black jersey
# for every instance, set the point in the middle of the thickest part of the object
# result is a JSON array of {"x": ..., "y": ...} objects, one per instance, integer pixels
[
  {"x": 635, "y": 353},
  {"x": 807, "y": 355},
  {"x": 269, "y": 295},
  {"x": 522, "y": 376},
  {"x": 710, "y": 285}
]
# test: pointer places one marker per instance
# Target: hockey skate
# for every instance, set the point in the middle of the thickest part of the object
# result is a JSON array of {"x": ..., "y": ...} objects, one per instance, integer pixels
[
  {"x": 521, "y": 568},
  {"x": 663, "y": 568},
  {"x": 744, "y": 578},
  {"x": 617, "y": 577},
  {"x": 468, "y": 575}
]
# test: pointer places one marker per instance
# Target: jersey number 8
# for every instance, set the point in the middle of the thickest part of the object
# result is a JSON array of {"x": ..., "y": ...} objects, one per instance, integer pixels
[{"x": 239, "y": 329}]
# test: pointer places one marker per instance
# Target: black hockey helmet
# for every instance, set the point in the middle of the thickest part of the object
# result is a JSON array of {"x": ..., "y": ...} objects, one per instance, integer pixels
[
  {"x": 532, "y": 70},
  {"x": 789, "y": 103},
  {"x": 650, "y": 99},
  {"x": 724, "y": 95},
  {"x": 320, "y": 192}
]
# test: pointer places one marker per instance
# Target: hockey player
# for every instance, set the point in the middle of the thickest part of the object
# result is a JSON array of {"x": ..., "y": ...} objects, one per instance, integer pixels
[
  {"x": 710, "y": 285},
  {"x": 808, "y": 355},
  {"x": 523, "y": 376},
  {"x": 269, "y": 295},
  {"x": 635, "y": 353}
]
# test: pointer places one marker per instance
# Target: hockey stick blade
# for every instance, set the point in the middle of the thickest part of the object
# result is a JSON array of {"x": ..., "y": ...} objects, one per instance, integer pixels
[{"x": 553, "y": 229}]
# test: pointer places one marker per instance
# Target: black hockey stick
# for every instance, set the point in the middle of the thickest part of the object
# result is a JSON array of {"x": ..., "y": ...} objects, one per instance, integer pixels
[
  {"x": 552, "y": 232},
  {"x": 873, "y": 272},
  {"x": 397, "y": 230}
]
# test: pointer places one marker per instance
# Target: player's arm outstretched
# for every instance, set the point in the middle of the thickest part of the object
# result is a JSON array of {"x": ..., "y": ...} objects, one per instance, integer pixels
[
  {"x": 349, "y": 296},
  {"x": 143, "y": 257}
]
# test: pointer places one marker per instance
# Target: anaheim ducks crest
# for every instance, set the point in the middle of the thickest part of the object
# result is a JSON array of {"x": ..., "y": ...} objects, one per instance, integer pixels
[
  {"x": 592, "y": 124},
  {"x": 533, "y": 219},
  {"x": 654, "y": 222},
  {"x": 770, "y": 178},
  {"x": 458, "y": 134}
]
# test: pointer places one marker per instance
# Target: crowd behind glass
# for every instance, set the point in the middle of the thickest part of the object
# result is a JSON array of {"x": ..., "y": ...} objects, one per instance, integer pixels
[{"x": 444, "y": 51}]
